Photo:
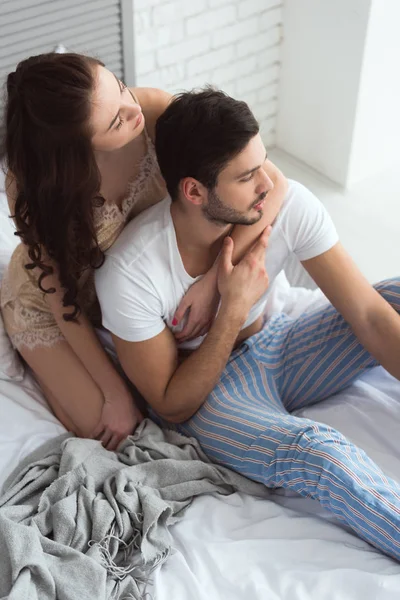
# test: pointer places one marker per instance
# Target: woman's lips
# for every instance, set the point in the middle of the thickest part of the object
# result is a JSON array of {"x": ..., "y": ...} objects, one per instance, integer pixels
[{"x": 138, "y": 120}]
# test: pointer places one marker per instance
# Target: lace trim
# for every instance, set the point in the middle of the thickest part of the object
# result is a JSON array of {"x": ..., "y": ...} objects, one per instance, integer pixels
[
  {"x": 33, "y": 339},
  {"x": 136, "y": 187},
  {"x": 29, "y": 326},
  {"x": 25, "y": 315}
]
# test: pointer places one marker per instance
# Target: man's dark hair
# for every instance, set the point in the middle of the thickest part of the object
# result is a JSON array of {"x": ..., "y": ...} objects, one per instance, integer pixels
[{"x": 199, "y": 133}]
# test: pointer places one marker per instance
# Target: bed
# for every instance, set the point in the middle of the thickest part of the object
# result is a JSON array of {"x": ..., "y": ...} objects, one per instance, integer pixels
[{"x": 240, "y": 546}]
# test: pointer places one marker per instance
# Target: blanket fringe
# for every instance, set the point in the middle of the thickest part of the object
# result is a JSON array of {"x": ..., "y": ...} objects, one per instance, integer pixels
[{"x": 140, "y": 572}]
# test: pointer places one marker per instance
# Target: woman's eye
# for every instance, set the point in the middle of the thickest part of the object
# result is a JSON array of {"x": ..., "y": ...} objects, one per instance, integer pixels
[{"x": 120, "y": 122}]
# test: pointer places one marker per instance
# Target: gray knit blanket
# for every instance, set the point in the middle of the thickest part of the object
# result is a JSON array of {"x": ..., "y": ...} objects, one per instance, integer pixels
[{"x": 80, "y": 522}]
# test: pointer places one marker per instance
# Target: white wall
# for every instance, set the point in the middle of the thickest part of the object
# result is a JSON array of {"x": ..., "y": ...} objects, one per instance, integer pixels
[
  {"x": 322, "y": 55},
  {"x": 339, "y": 103},
  {"x": 376, "y": 143},
  {"x": 234, "y": 44}
]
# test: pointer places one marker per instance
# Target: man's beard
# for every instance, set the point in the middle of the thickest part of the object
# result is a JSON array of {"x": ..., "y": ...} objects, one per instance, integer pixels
[{"x": 219, "y": 213}]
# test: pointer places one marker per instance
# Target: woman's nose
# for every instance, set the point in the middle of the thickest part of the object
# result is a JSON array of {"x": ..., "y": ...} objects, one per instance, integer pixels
[{"x": 132, "y": 111}]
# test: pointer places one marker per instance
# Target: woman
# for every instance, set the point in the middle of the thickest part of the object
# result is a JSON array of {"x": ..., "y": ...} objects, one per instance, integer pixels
[{"x": 81, "y": 163}]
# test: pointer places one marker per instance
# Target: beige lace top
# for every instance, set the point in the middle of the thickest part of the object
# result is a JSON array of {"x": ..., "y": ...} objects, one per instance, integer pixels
[{"x": 27, "y": 316}]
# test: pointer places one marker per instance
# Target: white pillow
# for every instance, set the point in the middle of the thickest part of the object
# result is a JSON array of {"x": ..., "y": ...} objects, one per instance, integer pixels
[
  {"x": 11, "y": 368},
  {"x": 10, "y": 365}
]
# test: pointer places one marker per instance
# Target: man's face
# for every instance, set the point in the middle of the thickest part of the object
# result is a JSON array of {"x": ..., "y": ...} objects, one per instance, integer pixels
[{"x": 242, "y": 188}]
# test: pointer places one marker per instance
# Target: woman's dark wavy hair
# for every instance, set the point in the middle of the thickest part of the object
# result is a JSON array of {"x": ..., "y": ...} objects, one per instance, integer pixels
[{"x": 49, "y": 153}]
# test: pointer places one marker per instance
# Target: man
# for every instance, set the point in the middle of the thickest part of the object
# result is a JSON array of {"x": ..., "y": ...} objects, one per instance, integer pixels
[{"x": 233, "y": 388}]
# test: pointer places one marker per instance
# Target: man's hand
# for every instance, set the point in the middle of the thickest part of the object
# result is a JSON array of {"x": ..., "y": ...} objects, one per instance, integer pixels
[
  {"x": 177, "y": 390},
  {"x": 244, "y": 284}
]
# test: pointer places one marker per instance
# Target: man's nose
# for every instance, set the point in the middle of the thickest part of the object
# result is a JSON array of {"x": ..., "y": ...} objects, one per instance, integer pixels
[{"x": 265, "y": 184}]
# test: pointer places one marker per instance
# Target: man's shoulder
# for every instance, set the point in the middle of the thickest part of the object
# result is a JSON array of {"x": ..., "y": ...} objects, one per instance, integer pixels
[
  {"x": 298, "y": 202},
  {"x": 144, "y": 234},
  {"x": 297, "y": 192}
]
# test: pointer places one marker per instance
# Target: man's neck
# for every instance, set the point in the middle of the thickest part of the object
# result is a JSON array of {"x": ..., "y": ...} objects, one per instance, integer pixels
[{"x": 199, "y": 240}]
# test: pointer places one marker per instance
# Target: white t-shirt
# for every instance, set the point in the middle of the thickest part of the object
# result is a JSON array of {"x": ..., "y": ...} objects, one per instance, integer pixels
[{"x": 143, "y": 279}]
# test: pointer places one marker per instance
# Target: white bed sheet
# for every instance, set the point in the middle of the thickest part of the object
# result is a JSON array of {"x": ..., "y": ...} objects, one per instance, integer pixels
[
  {"x": 239, "y": 547},
  {"x": 242, "y": 547},
  {"x": 289, "y": 548}
]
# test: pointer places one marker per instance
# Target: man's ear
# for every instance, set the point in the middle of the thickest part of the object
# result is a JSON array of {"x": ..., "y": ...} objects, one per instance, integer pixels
[{"x": 193, "y": 191}]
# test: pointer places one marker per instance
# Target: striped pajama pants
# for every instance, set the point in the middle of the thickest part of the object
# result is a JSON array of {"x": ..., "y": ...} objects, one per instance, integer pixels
[{"x": 246, "y": 424}]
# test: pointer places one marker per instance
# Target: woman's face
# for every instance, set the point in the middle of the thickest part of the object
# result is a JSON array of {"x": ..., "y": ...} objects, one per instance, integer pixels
[{"x": 116, "y": 118}]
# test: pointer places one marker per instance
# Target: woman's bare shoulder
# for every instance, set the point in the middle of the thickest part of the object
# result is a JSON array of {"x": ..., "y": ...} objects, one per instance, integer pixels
[{"x": 153, "y": 102}]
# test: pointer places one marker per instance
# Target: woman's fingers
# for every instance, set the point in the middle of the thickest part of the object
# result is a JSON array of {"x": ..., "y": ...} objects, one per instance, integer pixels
[
  {"x": 106, "y": 437},
  {"x": 114, "y": 442},
  {"x": 180, "y": 311}
]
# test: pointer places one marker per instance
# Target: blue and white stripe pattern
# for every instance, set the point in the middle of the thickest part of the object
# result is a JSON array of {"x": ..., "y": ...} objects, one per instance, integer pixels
[{"x": 246, "y": 423}]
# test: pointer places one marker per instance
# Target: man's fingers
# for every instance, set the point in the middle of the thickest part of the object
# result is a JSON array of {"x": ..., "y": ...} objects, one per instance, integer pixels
[
  {"x": 265, "y": 234},
  {"x": 258, "y": 249},
  {"x": 263, "y": 239},
  {"x": 226, "y": 255}
]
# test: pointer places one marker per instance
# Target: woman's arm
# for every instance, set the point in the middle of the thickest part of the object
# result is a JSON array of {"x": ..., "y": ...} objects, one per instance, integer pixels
[
  {"x": 81, "y": 335},
  {"x": 83, "y": 340},
  {"x": 119, "y": 413}
]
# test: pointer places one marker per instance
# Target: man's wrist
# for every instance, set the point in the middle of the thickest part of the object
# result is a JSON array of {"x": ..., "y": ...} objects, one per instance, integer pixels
[{"x": 233, "y": 311}]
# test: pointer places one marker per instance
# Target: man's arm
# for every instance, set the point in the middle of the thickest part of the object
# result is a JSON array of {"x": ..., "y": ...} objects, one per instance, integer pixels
[
  {"x": 176, "y": 391},
  {"x": 373, "y": 320}
]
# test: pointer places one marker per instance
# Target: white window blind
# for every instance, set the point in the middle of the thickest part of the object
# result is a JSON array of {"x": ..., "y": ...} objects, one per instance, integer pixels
[{"x": 29, "y": 27}]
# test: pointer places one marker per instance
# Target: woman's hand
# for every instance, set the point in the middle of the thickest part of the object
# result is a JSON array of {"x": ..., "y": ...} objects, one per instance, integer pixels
[
  {"x": 201, "y": 301},
  {"x": 119, "y": 418}
]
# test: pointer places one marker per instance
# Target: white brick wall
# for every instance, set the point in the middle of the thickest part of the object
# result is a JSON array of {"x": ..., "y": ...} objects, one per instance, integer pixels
[{"x": 233, "y": 44}]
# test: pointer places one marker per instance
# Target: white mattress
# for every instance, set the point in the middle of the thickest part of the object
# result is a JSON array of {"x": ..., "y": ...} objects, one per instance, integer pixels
[{"x": 239, "y": 547}]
